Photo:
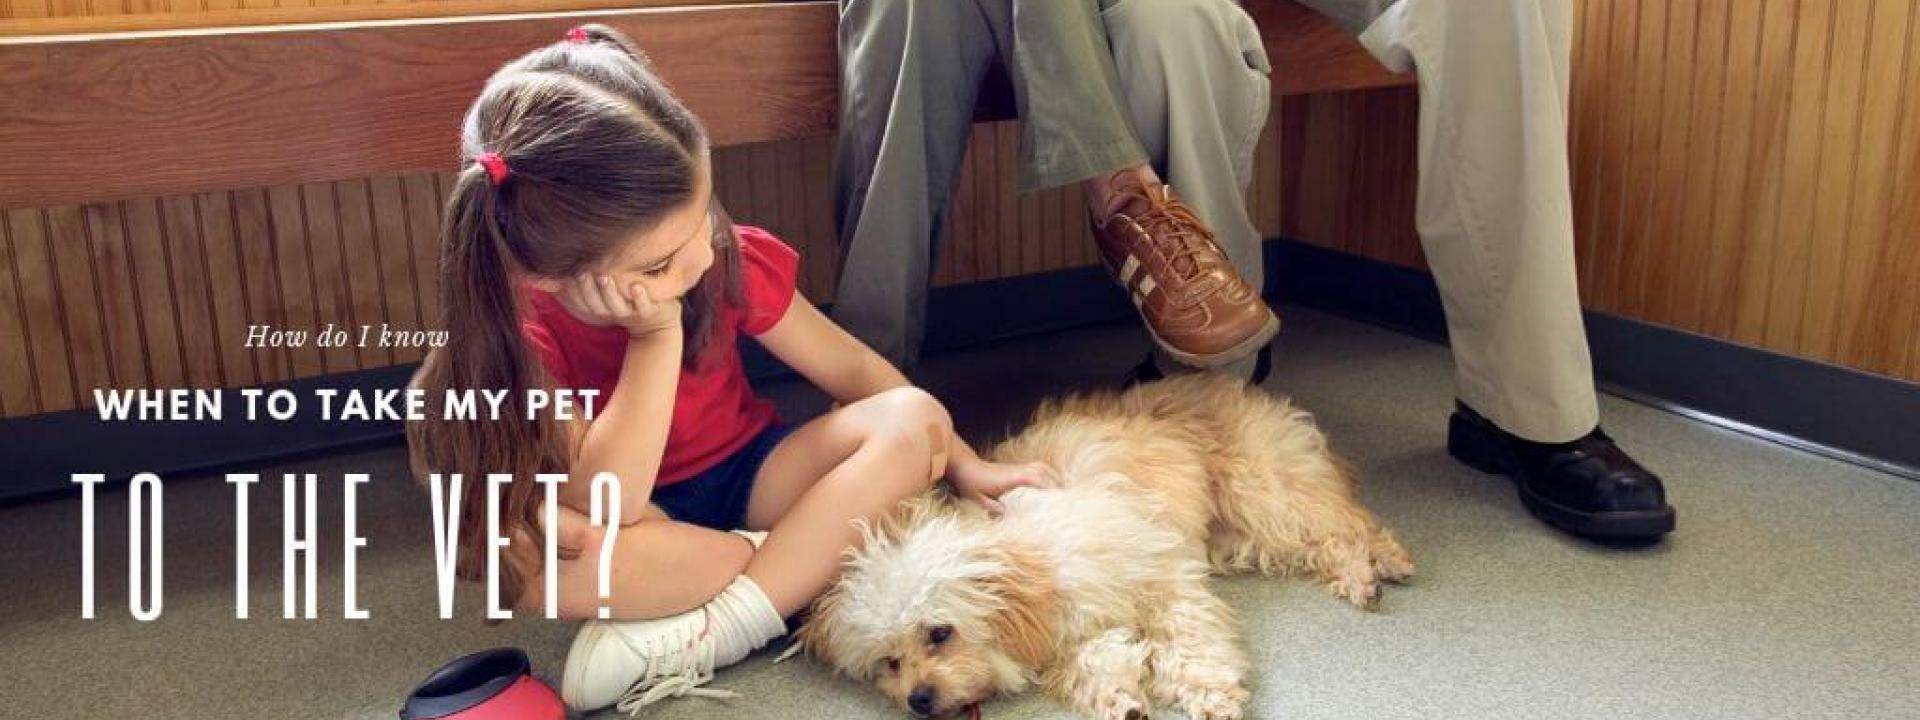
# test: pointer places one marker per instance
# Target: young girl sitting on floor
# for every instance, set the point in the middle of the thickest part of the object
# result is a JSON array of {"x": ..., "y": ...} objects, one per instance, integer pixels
[{"x": 583, "y": 248}]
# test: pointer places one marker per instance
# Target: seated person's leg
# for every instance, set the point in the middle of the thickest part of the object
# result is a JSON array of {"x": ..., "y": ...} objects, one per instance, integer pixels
[
  {"x": 1498, "y": 235},
  {"x": 909, "y": 71}
]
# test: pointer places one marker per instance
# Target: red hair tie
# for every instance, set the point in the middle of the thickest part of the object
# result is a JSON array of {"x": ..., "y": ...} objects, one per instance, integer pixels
[
  {"x": 496, "y": 167},
  {"x": 578, "y": 36}
]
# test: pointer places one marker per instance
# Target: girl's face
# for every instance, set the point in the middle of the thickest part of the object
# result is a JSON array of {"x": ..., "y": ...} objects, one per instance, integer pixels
[{"x": 668, "y": 259}]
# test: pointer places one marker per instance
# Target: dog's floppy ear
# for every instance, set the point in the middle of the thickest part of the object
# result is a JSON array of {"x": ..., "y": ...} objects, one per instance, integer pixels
[
  {"x": 817, "y": 626},
  {"x": 1024, "y": 624}
]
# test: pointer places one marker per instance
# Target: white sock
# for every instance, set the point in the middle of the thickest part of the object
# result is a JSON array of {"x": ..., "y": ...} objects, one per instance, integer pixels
[
  {"x": 741, "y": 620},
  {"x": 757, "y": 537}
]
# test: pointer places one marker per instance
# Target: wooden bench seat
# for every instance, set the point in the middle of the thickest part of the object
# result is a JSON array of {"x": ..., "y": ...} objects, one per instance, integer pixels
[{"x": 143, "y": 112}]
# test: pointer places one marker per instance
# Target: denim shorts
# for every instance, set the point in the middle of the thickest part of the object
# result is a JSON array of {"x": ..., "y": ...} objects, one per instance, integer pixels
[{"x": 717, "y": 497}]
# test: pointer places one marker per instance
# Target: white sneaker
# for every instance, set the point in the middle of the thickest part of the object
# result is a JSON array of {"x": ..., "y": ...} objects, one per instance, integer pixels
[{"x": 636, "y": 663}]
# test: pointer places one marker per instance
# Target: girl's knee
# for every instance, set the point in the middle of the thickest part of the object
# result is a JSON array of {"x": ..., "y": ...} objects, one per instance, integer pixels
[
  {"x": 911, "y": 419},
  {"x": 906, "y": 409}
]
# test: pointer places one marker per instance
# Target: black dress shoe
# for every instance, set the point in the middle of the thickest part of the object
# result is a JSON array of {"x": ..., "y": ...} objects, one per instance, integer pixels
[
  {"x": 1149, "y": 371},
  {"x": 1587, "y": 487}
]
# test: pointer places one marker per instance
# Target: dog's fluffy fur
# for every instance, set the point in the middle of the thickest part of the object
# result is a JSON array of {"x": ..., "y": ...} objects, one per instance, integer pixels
[{"x": 1096, "y": 590}]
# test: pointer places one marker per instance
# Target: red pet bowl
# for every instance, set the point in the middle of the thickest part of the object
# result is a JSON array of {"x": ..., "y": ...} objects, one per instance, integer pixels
[{"x": 495, "y": 684}]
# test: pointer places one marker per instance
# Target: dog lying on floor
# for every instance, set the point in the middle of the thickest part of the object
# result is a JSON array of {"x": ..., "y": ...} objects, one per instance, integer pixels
[{"x": 1096, "y": 590}]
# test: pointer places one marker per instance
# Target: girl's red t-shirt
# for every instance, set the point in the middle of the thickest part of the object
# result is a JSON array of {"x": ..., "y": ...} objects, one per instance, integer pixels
[{"x": 715, "y": 412}]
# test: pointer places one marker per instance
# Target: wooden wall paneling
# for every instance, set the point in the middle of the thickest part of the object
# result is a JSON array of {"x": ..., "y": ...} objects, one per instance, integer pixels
[
  {"x": 1012, "y": 216},
  {"x": 1840, "y": 130},
  {"x": 294, "y": 276},
  {"x": 1323, "y": 142},
  {"x": 1266, "y": 189},
  {"x": 1903, "y": 230},
  {"x": 149, "y": 251},
  {"x": 28, "y": 8},
  {"x": 82, "y": 321},
  {"x": 19, "y": 389},
  {"x": 397, "y": 278},
  {"x": 1379, "y": 202},
  {"x": 189, "y": 294},
  {"x": 950, "y": 263},
  {"x": 225, "y": 288},
  {"x": 1673, "y": 155},
  {"x": 787, "y": 167},
  {"x": 1863, "y": 217},
  {"x": 1753, "y": 211},
  {"x": 983, "y": 186},
  {"x": 1869, "y": 204},
  {"x": 1726, "y": 221},
  {"x": 258, "y": 274},
  {"x": 46, "y": 337},
  {"x": 119, "y": 300},
  {"x": 361, "y": 262},
  {"x": 1691, "y": 262},
  {"x": 823, "y": 243},
  {"x": 420, "y": 195},
  {"x": 332, "y": 296},
  {"x": 1050, "y": 241},
  {"x": 1791, "y": 230},
  {"x": 1032, "y": 257},
  {"x": 1607, "y": 171},
  {"x": 1079, "y": 229},
  {"x": 762, "y": 201},
  {"x": 1638, "y": 166}
]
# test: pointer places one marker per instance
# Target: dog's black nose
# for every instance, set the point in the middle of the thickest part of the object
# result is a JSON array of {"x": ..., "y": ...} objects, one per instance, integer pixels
[{"x": 921, "y": 700}]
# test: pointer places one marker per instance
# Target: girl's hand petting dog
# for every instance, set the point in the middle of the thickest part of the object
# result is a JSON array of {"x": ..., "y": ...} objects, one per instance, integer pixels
[
  {"x": 983, "y": 481},
  {"x": 599, "y": 300}
]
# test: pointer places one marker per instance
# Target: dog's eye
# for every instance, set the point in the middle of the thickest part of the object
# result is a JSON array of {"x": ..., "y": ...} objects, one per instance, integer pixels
[
  {"x": 893, "y": 664},
  {"x": 939, "y": 634}
]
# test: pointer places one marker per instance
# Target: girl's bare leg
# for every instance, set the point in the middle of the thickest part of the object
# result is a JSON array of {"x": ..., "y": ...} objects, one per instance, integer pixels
[{"x": 856, "y": 462}]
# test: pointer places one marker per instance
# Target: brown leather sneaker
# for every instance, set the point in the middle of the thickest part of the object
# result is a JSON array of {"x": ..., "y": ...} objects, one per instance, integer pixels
[{"x": 1196, "y": 307}]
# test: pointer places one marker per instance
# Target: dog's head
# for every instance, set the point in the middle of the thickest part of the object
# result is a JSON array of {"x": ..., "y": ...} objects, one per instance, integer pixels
[{"x": 937, "y": 610}]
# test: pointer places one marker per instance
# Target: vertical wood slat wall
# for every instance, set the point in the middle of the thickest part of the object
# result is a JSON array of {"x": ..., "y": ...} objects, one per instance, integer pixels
[
  {"x": 1751, "y": 171},
  {"x": 1744, "y": 169},
  {"x": 1747, "y": 170}
]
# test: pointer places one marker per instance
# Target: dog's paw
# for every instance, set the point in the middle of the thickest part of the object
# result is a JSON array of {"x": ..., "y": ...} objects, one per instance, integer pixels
[
  {"x": 1360, "y": 588},
  {"x": 1393, "y": 567},
  {"x": 1214, "y": 703},
  {"x": 1390, "y": 561}
]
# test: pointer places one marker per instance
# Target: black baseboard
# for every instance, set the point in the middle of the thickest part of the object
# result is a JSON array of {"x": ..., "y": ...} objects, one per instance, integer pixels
[
  {"x": 1860, "y": 417},
  {"x": 1857, "y": 416}
]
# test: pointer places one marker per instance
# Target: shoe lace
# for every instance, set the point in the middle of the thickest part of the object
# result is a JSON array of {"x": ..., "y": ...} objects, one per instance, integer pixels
[
  {"x": 677, "y": 664},
  {"x": 1178, "y": 235}
]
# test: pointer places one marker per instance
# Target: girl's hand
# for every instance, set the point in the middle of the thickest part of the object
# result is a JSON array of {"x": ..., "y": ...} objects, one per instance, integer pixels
[
  {"x": 984, "y": 482},
  {"x": 597, "y": 300}
]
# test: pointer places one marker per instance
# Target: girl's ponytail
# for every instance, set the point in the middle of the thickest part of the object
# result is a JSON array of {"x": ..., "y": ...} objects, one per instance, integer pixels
[{"x": 484, "y": 352}]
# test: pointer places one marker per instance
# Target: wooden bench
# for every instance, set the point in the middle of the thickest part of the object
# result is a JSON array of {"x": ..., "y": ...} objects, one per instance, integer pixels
[{"x": 150, "y": 108}]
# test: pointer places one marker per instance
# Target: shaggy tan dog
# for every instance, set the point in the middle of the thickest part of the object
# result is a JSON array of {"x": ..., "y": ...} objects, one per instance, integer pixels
[{"x": 1096, "y": 590}]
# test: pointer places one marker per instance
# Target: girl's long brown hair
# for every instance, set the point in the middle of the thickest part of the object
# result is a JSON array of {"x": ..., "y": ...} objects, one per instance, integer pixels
[{"x": 598, "y": 150}]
